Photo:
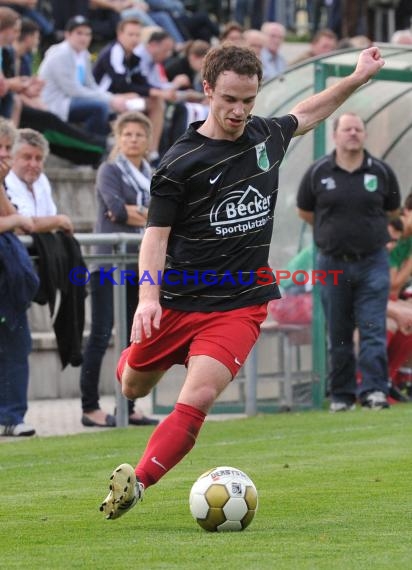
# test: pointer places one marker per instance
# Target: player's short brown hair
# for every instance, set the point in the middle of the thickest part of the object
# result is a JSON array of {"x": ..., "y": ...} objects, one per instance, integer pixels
[{"x": 241, "y": 60}]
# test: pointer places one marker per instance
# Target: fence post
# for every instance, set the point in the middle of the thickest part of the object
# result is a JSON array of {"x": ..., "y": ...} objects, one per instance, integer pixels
[
  {"x": 120, "y": 339},
  {"x": 251, "y": 365}
]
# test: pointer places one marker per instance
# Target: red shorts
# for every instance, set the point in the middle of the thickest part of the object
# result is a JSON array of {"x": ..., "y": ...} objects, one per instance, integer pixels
[{"x": 226, "y": 336}]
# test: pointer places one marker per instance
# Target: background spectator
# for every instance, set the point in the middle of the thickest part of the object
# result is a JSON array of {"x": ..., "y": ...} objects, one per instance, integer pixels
[
  {"x": 25, "y": 47},
  {"x": 348, "y": 19},
  {"x": 193, "y": 105},
  {"x": 63, "y": 10},
  {"x": 10, "y": 84},
  {"x": 155, "y": 49},
  {"x": 31, "y": 9},
  {"x": 112, "y": 11},
  {"x": 122, "y": 189},
  {"x": 188, "y": 63},
  {"x": 250, "y": 10},
  {"x": 194, "y": 25},
  {"x": 232, "y": 32},
  {"x": 18, "y": 285},
  {"x": 118, "y": 70},
  {"x": 346, "y": 196},
  {"x": 67, "y": 141},
  {"x": 162, "y": 18},
  {"x": 54, "y": 246},
  {"x": 273, "y": 62},
  {"x": 28, "y": 186},
  {"x": 70, "y": 90},
  {"x": 324, "y": 41},
  {"x": 255, "y": 40}
]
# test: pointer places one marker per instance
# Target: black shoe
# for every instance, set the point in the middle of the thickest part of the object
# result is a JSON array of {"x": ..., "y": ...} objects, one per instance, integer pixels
[
  {"x": 397, "y": 394},
  {"x": 143, "y": 421},
  {"x": 110, "y": 421}
]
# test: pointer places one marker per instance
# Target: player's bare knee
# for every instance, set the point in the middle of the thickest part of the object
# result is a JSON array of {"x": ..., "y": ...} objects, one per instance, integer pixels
[
  {"x": 134, "y": 391},
  {"x": 205, "y": 397}
]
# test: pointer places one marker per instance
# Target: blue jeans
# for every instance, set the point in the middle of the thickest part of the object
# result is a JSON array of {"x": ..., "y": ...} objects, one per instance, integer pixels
[
  {"x": 15, "y": 347},
  {"x": 101, "y": 330},
  {"x": 6, "y": 105},
  {"x": 175, "y": 6},
  {"x": 94, "y": 115},
  {"x": 165, "y": 21},
  {"x": 46, "y": 27},
  {"x": 358, "y": 301}
]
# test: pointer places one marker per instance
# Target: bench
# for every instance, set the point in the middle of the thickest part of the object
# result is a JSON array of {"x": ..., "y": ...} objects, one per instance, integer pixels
[{"x": 291, "y": 338}]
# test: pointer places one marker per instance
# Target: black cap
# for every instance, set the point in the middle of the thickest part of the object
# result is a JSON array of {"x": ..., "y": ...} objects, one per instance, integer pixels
[{"x": 76, "y": 22}]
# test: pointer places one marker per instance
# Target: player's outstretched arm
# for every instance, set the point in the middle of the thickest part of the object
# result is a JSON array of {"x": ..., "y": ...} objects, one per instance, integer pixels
[
  {"x": 315, "y": 109},
  {"x": 152, "y": 260}
]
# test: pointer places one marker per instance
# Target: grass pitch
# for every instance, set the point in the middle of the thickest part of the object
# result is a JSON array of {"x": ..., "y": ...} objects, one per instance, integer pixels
[{"x": 334, "y": 493}]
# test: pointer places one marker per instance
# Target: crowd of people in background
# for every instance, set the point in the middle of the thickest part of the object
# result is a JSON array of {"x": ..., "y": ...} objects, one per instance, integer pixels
[{"x": 68, "y": 69}]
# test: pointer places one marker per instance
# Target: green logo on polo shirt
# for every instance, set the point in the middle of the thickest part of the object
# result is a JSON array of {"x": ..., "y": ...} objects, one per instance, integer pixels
[
  {"x": 262, "y": 157},
  {"x": 370, "y": 182}
]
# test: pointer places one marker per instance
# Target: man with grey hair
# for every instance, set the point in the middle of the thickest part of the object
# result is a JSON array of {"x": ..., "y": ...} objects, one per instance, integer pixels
[
  {"x": 53, "y": 242},
  {"x": 273, "y": 62},
  {"x": 29, "y": 188}
]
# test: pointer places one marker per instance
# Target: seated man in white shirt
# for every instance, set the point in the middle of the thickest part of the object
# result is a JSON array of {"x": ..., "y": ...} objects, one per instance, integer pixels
[{"x": 29, "y": 188}]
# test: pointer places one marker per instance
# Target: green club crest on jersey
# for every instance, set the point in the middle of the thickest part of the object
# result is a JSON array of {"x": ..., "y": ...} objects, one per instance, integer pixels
[
  {"x": 262, "y": 157},
  {"x": 370, "y": 182}
]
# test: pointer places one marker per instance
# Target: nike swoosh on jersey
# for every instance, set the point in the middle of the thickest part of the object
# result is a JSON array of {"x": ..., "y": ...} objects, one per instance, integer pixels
[
  {"x": 238, "y": 362},
  {"x": 215, "y": 179}
]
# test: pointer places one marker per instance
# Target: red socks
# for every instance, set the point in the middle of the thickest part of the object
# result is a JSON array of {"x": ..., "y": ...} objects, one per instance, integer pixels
[{"x": 173, "y": 438}]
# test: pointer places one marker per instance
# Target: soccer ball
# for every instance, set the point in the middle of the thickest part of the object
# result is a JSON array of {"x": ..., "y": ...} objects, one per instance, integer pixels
[{"x": 223, "y": 498}]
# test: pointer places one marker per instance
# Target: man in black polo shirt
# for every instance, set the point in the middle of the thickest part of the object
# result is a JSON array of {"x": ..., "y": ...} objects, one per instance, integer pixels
[{"x": 347, "y": 196}]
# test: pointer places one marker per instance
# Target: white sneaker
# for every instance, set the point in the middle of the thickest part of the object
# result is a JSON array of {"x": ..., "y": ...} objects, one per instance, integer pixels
[
  {"x": 125, "y": 492},
  {"x": 18, "y": 430},
  {"x": 341, "y": 407},
  {"x": 375, "y": 401}
]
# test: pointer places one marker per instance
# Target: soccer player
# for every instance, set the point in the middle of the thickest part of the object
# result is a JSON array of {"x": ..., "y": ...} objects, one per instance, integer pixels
[{"x": 209, "y": 230}]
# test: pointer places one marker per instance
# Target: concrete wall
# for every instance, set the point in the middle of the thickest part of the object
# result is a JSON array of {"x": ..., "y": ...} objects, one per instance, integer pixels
[{"x": 73, "y": 192}]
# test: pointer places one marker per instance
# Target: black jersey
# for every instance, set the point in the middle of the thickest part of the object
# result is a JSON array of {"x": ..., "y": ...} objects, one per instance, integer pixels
[
  {"x": 219, "y": 196},
  {"x": 350, "y": 207}
]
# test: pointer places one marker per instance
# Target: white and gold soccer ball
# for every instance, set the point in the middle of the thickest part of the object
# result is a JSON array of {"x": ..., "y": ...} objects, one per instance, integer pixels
[{"x": 222, "y": 499}]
